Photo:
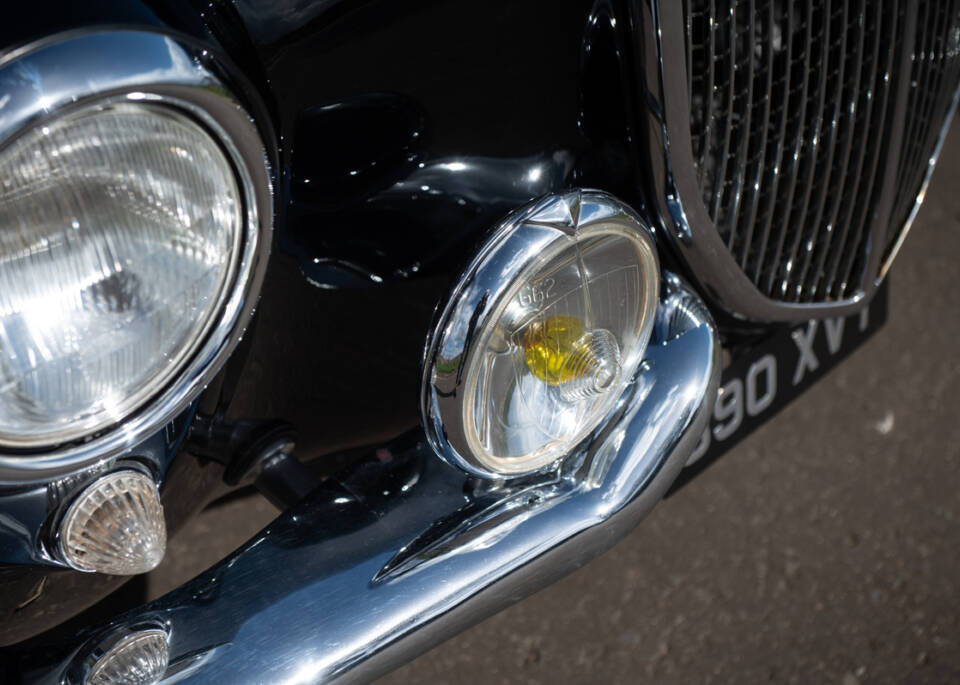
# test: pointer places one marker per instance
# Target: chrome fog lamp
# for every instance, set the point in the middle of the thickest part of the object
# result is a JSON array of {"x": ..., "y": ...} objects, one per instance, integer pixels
[
  {"x": 544, "y": 332},
  {"x": 115, "y": 526}
]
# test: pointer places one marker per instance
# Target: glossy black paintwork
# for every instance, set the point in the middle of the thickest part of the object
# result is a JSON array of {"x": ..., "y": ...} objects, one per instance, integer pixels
[
  {"x": 36, "y": 590},
  {"x": 404, "y": 132},
  {"x": 26, "y": 22},
  {"x": 400, "y": 134},
  {"x": 407, "y": 133}
]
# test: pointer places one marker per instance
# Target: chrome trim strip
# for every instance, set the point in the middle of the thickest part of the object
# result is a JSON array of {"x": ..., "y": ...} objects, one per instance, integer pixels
[
  {"x": 407, "y": 550},
  {"x": 931, "y": 164},
  {"x": 74, "y": 70}
]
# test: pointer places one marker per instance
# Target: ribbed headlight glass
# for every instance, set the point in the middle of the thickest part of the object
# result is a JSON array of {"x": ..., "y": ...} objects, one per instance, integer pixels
[{"x": 120, "y": 226}]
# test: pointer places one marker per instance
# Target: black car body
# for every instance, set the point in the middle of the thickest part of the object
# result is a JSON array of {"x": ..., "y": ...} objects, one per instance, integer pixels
[{"x": 774, "y": 154}]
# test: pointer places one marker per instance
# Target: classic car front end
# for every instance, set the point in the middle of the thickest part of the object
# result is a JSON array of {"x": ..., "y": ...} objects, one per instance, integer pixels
[{"x": 463, "y": 288}]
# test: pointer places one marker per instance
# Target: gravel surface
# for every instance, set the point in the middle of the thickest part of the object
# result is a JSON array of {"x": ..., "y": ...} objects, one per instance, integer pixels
[{"x": 824, "y": 548}]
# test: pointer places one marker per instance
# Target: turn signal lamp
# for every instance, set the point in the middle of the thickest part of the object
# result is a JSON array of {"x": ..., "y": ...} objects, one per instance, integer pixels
[
  {"x": 115, "y": 526},
  {"x": 544, "y": 333},
  {"x": 140, "y": 658}
]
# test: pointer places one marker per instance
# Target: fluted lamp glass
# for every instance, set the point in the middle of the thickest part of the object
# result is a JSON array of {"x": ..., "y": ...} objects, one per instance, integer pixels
[
  {"x": 115, "y": 526},
  {"x": 140, "y": 658}
]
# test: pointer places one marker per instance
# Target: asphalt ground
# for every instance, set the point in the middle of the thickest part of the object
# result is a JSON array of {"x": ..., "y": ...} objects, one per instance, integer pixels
[{"x": 825, "y": 548}]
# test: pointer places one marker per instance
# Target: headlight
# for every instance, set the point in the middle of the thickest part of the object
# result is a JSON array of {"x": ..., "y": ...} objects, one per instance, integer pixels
[
  {"x": 120, "y": 227},
  {"x": 545, "y": 332},
  {"x": 136, "y": 212}
]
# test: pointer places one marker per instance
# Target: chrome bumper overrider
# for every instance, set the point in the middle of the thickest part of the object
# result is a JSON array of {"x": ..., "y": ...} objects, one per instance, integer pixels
[{"x": 366, "y": 573}]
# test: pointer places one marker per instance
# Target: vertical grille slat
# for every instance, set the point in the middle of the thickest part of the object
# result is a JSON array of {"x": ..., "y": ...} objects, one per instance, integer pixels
[
  {"x": 918, "y": 100},
  {"x": 791, "y": 112},
  {"x": 721, "y": 181},
  {"x": 754, "y": 189},
  {"x": 861, "y": 103},
  {"x": 745, "y": 131},
  {"x": 930, "y": 79},
  {"x": 711, "y": 81},
  {"x": 918, "y": 123},
  {"x": 828, "y": 197},
  {"x": 924, "y": 47},
  {"x": 688, "y": 19},
  {"x": 774, "y": 266},
  {"x": 781, "y": 128},
  {"x": 819, "y": 160},
  {"x": 860, "y": 213}
]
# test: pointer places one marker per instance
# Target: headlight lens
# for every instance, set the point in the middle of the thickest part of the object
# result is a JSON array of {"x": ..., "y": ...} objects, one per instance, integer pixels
[
  {"x": 546, "y": 332},
  {"x": 120, "y": 226}
]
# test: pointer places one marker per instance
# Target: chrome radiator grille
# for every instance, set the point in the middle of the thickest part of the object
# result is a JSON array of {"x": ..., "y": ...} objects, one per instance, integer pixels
[{"x": 792, "y": 114}]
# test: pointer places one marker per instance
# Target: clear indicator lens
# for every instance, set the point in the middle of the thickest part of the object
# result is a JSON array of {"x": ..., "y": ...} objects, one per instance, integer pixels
[
  {"x": 115, "y": 526},
  {"x": 119, "y": 227},
  {"x": 567, "y": 340},
  {"x": 138, "y": 659}
]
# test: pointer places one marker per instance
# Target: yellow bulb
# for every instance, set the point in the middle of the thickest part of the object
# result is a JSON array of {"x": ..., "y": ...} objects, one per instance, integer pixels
[
  {"x": 562, "y": 353},
  {"x": 551, "y": 344}
]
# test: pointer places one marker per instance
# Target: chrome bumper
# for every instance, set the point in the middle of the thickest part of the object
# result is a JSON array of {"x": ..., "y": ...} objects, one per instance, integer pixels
[{"x": 368, "y": 572}]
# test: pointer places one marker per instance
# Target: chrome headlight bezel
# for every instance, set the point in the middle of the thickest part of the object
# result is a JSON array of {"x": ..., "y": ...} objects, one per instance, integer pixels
[{"x": 44, "y": 81}]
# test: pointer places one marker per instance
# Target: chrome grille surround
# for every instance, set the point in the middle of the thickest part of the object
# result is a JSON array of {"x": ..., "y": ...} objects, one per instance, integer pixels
[
  {"x": 797, "y": 153},
  {"x": 935, "y": 68}
]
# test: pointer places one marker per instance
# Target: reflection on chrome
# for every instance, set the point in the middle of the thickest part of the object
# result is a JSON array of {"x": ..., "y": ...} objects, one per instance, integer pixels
[
  {"x": 397, "y": 555},
  {"x": 132, "y": 73},
  {"x": 541, "y": 335}
]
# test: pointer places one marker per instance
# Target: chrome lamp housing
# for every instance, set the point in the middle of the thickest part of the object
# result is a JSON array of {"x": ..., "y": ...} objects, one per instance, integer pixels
[{"x": 543, "y": 333}]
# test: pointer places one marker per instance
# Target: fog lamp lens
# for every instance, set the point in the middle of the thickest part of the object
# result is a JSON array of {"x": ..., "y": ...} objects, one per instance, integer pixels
[
  {"x": 138, "y": 659},
  {"x": 549, "y": 328},
  {"x": 115, "y": 526}
]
